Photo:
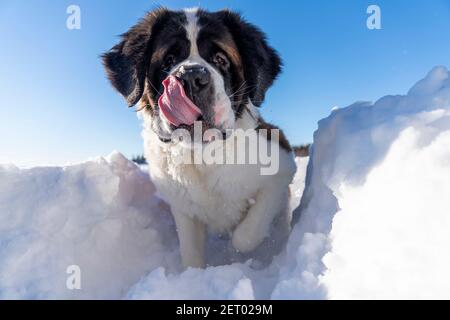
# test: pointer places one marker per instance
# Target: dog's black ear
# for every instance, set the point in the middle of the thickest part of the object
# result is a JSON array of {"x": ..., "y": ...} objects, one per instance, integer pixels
[
  {"x": 261, "y": 62},
  {"x": 127, "y": 62}
]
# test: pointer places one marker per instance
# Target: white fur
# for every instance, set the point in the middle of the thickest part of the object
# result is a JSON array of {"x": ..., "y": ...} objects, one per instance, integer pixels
[
  {"x": 225, "y": 198},
  {"x": 192, "y": 29},
  {"x": 235, "y": 199}
]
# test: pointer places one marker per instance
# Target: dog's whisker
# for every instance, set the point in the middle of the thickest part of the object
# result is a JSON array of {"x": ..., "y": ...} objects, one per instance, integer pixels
[
  {"x": 249, "y": 89},
  {"x": 239, "y": 87},
  {"x": 242, "y": 93},
  {"x": 244, "y": 88},
  {"x": 155, "y": 88}
]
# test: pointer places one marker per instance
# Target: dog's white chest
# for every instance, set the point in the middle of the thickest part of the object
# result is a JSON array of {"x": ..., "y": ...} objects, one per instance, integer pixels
[
  {"x": 218, "y": 195},
  {"x": 222, "y": 199}
]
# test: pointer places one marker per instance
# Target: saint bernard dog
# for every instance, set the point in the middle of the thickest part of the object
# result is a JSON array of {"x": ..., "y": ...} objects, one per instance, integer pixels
[{"x": 193, "y": 66}]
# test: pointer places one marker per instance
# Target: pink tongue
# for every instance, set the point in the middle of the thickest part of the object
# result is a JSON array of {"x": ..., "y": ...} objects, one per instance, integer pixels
[{"x": 175, "y": 106}]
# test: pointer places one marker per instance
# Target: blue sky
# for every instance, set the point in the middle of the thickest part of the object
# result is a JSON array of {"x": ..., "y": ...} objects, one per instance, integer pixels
[{"x": 57, "y": 107}]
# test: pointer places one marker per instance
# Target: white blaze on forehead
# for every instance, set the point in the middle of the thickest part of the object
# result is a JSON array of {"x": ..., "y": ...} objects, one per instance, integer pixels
[
  {"x": 223, "y": 111},
  {"x": 192, "y": 28}
]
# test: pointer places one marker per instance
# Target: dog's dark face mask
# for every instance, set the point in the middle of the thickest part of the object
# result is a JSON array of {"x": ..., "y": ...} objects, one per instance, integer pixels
[{"x": 186, "y": 66}]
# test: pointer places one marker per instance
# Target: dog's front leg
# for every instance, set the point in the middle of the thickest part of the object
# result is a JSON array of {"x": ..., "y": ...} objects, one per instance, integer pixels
[
  {"x": 191, "y": 234},
  {"x": 270, "y": 202}
]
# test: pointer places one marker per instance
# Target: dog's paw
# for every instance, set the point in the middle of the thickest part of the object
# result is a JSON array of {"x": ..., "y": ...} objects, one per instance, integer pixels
[{"x": 246, "y": 238}]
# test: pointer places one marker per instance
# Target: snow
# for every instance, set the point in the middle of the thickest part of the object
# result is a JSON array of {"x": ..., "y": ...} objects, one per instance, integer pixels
[
  {"x": 375, "y": 214},
  {"x": 100, "y": 215},
  {"x": 372, "y": 222}
]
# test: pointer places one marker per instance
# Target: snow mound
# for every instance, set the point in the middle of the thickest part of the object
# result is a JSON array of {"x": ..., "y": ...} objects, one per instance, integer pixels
[
  {"x": 375, "y": 214},
  {"x": 101, "y": 215},
  {"x": 372, "y": 222}
]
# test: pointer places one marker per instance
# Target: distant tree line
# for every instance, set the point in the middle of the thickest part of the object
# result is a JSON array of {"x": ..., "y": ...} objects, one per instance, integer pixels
[
  {"x": 139, "y": 159},
  {"x": 302, "y": 150}
]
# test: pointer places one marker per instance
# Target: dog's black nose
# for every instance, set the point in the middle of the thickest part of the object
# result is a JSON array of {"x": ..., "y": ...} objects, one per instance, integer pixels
[{"x": 195, "y": 78}]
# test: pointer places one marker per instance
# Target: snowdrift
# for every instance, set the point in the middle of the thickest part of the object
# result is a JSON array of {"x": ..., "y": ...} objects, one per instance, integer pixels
[
  {"x": 373, "y": 221},
  {"x": 375, "y": 215},
  {"x": 102, "y": 216}
]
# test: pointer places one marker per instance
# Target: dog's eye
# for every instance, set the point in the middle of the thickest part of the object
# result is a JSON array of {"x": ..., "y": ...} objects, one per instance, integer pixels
[
  {"x": 169, "y": 61},
  {"x": 221, "y": 60}
]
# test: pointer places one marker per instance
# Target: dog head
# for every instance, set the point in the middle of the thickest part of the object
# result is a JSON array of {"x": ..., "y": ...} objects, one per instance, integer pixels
[{"x": 192, "y": 65}]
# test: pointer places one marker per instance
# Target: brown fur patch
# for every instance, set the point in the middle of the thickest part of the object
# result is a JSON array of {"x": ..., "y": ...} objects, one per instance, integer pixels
[
  {"x": 146, "y": 104},
  {"x": 158, "y": 54},
  {"x": 284, "y": 143},
  {"x": 230, "y": 48}
]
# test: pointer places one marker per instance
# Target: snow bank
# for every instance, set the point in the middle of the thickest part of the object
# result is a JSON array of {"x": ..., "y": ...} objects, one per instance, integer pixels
[
  {"x": 101, "y": 215},
  {"x": 372, "y": 223},
  {"x": 375, "y": 215}
]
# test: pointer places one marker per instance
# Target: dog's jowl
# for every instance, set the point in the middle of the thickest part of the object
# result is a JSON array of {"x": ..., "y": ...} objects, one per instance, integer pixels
[{"x": 198, "y": 79}]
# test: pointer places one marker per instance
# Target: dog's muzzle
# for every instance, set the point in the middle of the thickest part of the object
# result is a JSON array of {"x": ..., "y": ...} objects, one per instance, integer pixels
[{"x": 196, "y": 80}]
